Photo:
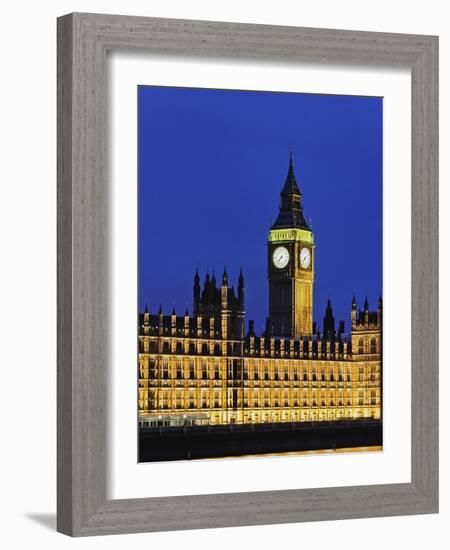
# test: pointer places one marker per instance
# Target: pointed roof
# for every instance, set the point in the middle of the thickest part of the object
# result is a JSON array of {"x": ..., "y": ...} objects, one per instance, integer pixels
[
  {"x": 290, "y": 186},
  {"x": 291, "y": 210}
]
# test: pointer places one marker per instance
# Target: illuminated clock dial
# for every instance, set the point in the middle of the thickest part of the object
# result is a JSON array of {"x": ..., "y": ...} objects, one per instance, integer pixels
[
  {"x": 305, "y": 258},
  {"x": 280, "y": 257}
]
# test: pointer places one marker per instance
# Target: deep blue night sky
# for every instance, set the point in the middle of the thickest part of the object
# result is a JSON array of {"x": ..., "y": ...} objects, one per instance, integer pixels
[{"x": 211, "y": 167}]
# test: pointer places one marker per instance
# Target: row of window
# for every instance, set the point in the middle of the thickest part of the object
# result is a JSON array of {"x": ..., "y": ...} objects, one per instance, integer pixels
[
  {"x": 150, "y": 346},
  {"x": 305, "y": 378},
  {"x": 217, "y": 373},
  {"x": 205, "y": 404},
  {"x": 277, "y": 394},
  {"x": 262, "y": 399},
  {"x": 307, "y": 349}
]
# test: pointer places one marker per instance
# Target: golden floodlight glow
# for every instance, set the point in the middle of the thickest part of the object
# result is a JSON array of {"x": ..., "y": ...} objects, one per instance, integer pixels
[
  {"x": 204, "y": 369},
  {"x": 282, "y": 235}
]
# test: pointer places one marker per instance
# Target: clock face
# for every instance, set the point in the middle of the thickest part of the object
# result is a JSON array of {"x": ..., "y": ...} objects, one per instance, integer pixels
[
  {"x": 305, "y": 258},
  {"x": 280, "y": 257}
]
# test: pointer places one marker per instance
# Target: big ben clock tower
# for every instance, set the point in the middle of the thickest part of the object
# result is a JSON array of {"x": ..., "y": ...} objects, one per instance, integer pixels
[{"x": 290, "y": 265}]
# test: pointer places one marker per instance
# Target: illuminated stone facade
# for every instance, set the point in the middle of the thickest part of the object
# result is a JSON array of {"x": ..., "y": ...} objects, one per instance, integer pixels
[{"x": 203, "y": 368}]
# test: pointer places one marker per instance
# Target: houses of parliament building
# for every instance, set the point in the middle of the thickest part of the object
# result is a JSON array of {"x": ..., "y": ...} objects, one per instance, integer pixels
[{"x": 209, "y": 368}]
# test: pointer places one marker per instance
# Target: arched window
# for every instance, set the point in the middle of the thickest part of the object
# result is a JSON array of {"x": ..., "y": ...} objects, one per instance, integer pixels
[
  {"x": 373, "y": 345},
  {"x": 360, "y": 345}
]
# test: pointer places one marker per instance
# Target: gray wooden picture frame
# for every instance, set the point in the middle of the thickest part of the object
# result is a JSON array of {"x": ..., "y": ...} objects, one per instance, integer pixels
[{"x": 83, "y": 41}]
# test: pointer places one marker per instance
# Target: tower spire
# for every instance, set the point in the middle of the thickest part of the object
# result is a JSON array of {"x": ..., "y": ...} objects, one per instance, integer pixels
[
  {"x": 291, "y": 210},
  {"x": 328, "y": 322},
  {"x": 197, "y": 290},
  {"x": 241, "y": 290},
  {"x": 225, "y": 277},
  {"x": 290, "y": 185}
]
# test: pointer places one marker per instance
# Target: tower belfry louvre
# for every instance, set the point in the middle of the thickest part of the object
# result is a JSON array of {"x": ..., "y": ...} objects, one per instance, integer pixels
[{"x": 205, "y": 368}]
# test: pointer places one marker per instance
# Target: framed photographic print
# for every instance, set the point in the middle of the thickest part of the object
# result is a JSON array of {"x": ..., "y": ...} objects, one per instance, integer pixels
[{"x": 247, "y": 231}]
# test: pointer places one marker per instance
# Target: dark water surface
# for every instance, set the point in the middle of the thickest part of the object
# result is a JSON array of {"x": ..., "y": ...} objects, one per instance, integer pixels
[{"x": 194, "y": 442}]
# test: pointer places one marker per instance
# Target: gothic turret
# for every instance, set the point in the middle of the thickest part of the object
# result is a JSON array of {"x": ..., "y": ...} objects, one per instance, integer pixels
[
  {"x": 225, "y": 277},
  {"x": 196, "y": 291},
  {"x": 213, "y": 287},
  {"x": 365, "y": 317},
  {"x": 206, "y": 294},
  {"x": 354, "y": 310},
  {"x": 328, "y": 323},
  {"x": 241, "y": 290},
  {"x": 366, "y": 311},
  {"x": 379, "y": 311},
  {"x": 220, "y": 306}
]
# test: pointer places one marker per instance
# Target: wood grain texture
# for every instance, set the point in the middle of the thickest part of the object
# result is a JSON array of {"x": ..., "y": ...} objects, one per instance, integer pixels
[
  {"x": 425, "y": 267},
  {"x": 64, "y": 299},
  {"x": 83, "y": 40}
]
